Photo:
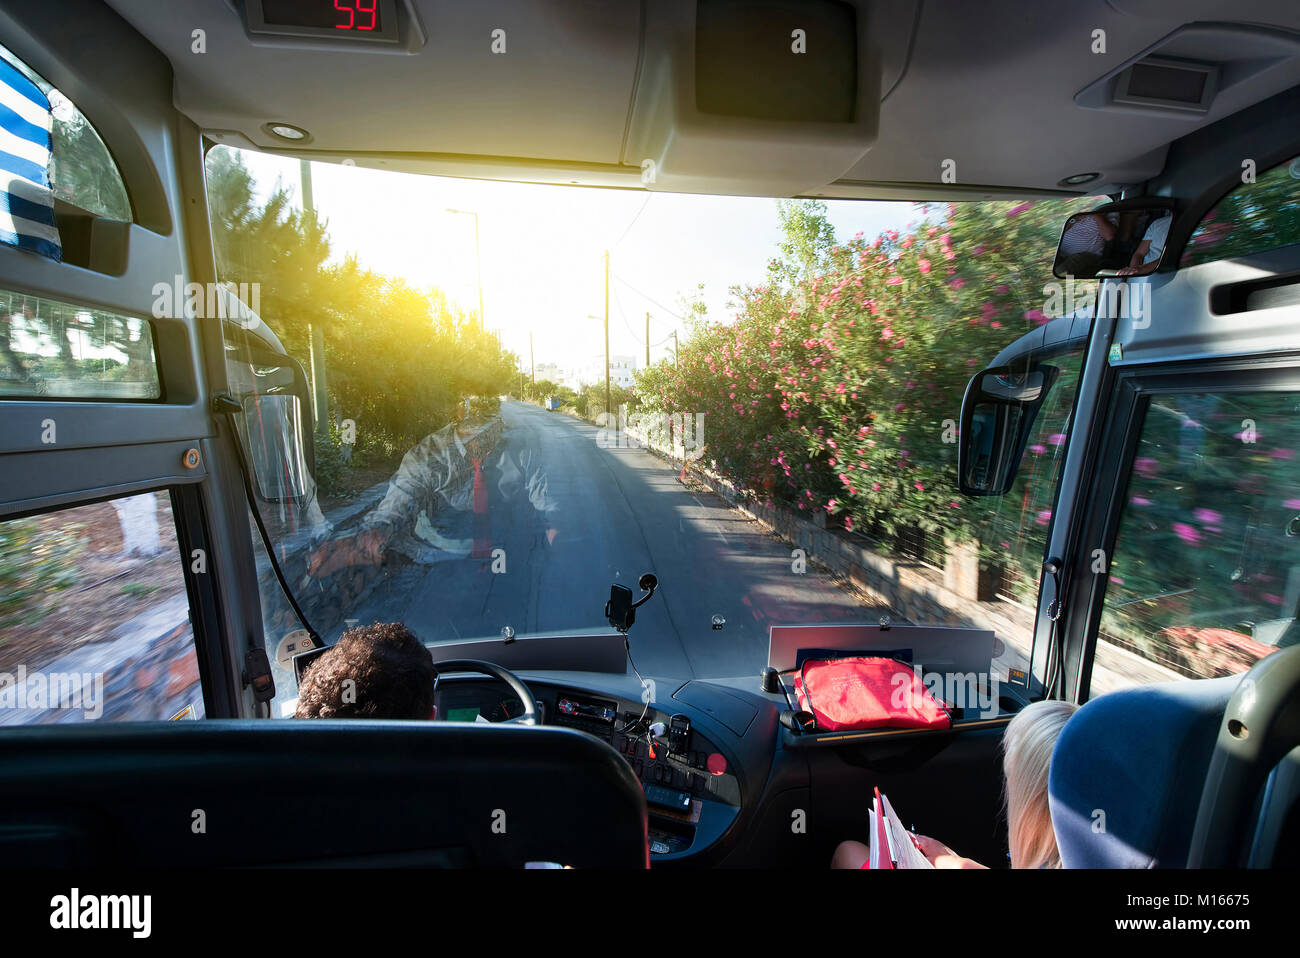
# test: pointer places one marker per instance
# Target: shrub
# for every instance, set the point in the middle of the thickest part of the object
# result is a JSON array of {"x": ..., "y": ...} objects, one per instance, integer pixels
[{"x": 838, "y": 385}]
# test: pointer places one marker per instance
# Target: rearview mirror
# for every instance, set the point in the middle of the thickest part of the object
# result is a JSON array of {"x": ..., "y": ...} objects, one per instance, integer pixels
[
  {"x": 997, "y": 414},
  {"x": 1113, "y": 240}
]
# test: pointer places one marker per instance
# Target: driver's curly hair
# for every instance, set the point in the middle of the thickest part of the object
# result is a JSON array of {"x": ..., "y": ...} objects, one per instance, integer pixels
[{"x": 377, "y": 671}]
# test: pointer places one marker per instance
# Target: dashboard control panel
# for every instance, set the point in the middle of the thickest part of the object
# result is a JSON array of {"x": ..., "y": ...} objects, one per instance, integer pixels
[
  {"x": 686, "y": 778},
  {"x": 588, "y": 715},
  {"x": 680, "y": 760}
]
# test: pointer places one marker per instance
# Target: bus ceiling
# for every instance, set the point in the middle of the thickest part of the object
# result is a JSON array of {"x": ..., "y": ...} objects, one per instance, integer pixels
[{"x": 870, "y": 99}]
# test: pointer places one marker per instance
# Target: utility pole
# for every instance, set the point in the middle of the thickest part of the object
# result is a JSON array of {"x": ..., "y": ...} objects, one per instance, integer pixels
[
  {"x": 316, "y": 356},
  {"x": 607, "y": 400},
  {"x": 647, "y": 340},
  {"x": 674, "y": 347},
  {"x": 478, "y": 263},
  {"x": 532, "y": 370}
]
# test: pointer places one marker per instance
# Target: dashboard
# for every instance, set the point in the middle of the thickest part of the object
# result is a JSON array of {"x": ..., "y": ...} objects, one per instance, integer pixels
[{"x": 690, "y": 772}]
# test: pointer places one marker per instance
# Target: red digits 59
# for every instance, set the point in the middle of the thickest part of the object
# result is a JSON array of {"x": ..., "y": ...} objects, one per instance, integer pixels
[{"x": 361, "y": 6}]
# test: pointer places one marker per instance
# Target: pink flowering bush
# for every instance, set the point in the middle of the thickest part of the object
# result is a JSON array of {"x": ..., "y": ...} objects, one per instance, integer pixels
[{"x": 834, "y": 387}]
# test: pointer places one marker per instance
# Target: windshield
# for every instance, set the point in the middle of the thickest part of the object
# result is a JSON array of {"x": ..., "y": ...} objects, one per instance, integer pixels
[{"x": 525, "y": 394}]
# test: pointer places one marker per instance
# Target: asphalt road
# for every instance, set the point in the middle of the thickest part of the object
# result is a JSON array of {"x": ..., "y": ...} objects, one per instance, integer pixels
[{"x": 572, "y": 518}]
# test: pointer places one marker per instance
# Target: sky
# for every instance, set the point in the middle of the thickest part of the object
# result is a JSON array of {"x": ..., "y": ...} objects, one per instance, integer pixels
[{"x": 541, "y": 249}]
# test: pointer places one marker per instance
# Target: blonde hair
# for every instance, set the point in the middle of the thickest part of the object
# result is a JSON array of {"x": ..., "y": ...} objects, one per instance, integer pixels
[{"x": 1026, "y": 758}]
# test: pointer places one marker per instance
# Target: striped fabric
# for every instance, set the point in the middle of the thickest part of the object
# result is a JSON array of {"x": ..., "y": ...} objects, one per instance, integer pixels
[
  {"x": 26, "y": 203},
  {"x": 1083, "y": 236}
]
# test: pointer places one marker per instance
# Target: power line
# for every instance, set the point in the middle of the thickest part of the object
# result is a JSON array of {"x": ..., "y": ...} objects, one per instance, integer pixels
[
  {"x": 618, "y": 304},
  {"x": 634, "y": 219},
  {"x": 637, "y": 339},
  {"x": 647, "y": 298}
]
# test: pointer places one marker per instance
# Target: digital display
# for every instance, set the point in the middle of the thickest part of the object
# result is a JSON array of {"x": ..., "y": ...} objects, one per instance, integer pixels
[
  {"x": 345, "y": 19},
  {"x": 462, "y": 715},
  {"x": 362, "y": 15}
]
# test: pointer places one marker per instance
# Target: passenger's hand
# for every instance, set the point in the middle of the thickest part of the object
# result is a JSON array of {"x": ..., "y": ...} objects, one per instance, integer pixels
[
  {"x": 364, "y": 548},
  {"x": 940, "y": 855},
  {"x": 1140, "y": 270}
]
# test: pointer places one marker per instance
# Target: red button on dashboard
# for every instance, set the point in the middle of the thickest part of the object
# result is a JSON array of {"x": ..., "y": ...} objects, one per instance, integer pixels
[{"x": 717, "y": 764}]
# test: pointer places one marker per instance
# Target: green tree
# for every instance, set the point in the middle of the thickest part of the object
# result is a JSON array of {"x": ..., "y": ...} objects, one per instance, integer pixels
[
  {"x": 400, "y": 360},
  {"x": 807, "y": 240}
]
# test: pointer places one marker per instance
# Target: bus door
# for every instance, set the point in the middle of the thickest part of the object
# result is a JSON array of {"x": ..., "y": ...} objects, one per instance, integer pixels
[{"x": 1188, "y": 562}]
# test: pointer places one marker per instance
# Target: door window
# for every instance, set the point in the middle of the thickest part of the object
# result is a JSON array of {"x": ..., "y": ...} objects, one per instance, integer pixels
[
  {"x": 1205, "y": 576},
  {"x": 94, "y": 616},
  {"x": 1014, "y": 531}
]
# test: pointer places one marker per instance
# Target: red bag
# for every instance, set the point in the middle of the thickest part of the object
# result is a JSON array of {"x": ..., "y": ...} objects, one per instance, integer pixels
[{"x": 868, "y": 692}]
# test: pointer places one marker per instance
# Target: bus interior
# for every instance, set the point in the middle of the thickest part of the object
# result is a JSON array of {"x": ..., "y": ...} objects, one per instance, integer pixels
[{"x": 1042, "y": 473}]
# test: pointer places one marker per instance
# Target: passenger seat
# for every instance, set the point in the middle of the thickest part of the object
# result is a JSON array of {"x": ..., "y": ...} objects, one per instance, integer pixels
[{"x": 1128, "y": 771}]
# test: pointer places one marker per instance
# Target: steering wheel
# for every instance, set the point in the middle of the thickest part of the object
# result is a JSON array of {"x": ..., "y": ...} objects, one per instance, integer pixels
[{"x": 497, "y": 672}]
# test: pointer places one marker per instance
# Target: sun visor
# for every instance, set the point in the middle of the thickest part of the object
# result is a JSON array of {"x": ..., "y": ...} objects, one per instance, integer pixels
[{"x": 776, "y": 97}]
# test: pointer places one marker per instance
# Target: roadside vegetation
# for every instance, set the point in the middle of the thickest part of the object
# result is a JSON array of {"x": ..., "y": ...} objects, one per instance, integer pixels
[
  {"x": 400, "y": 361},
  {"x": 836, "y": 386}
]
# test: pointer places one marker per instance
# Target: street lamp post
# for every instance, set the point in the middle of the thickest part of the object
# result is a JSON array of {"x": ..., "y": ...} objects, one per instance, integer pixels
[
  {"x": 478, "y": 260},
  {"x": 606, "y": 332}
]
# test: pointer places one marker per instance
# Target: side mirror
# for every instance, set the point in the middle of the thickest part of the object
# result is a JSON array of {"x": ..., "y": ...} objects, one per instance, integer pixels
[
  {"x": 279, "y": 446},
  {"x": 276, "y": 425},
  {"x": 997, "y": 414},
  {"x": 1113, "y": 240}
]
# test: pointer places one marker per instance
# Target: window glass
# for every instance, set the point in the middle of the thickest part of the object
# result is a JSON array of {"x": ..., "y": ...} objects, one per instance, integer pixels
[
  {"x": 64, "y": 351},
  {"x": 1205, "y": 578},
  {"x": 94, "y": 617},
  {"x": 804, "y": 360},
  {"x": 1254, "y": 217},
  {"x": 1013, "y": 533},
  {"x": 82, "y": 171},
  {"x": 285, "y": 636}
]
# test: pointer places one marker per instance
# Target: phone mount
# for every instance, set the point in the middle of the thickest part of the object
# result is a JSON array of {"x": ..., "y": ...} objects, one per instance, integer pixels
[{"x": 620, "y": 610}]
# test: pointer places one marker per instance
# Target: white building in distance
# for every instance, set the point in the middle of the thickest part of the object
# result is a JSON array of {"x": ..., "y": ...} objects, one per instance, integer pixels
[
  {"x": 550, "y": 371},
  {"x": 621, "y": 371}
]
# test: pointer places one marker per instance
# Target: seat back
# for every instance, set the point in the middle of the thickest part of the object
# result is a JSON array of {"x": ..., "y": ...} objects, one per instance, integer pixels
[
  {"x": 319, "y": 792},
  {"x": 1128, "y": 770}
]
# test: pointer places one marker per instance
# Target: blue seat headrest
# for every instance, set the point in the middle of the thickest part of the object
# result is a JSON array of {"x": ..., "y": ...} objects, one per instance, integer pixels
[{"x": 1128, "y": 770}]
